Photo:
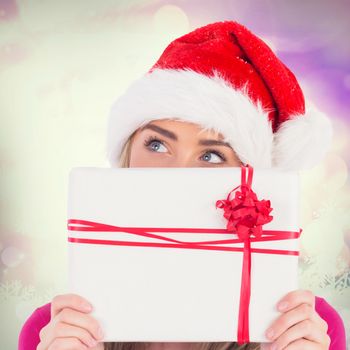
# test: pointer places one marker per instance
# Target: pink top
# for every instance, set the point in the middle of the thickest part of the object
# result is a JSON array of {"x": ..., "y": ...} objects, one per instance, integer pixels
[{"x": 29, "y": 335}]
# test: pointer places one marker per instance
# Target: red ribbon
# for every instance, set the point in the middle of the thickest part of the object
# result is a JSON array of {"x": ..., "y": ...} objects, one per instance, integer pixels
[{"x": 245, "y": 215}]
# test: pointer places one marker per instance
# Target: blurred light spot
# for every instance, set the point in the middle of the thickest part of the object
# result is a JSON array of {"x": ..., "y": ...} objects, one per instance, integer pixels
[
  {"x": 170, "y": 19},
  {"x": 336, "y": 172},
  {"x": 340, "y": 142},
  {"x": 11, "y": 256},
  {"x": 8, "y": 10}
]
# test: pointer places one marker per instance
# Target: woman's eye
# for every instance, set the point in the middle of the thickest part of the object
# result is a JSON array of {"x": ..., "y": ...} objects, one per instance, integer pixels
[
  {"x": 157, "y": 146},
  {"x": 213, "y": 157}
]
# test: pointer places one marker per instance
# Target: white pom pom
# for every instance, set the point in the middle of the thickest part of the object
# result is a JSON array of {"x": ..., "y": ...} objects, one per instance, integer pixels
[{"x": 302, "y": 142}]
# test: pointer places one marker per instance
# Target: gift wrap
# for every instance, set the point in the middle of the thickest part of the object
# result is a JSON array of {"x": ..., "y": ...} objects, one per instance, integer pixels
[{"x": 152, "y": 251}]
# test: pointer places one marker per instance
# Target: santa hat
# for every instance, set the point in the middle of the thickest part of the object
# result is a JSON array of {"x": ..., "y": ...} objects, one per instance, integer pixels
[{"x": 223, "y": 77}]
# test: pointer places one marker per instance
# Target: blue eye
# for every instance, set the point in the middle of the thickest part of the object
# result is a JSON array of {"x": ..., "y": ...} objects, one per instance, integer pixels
[
  {"x": 154, "y": 144},
  {"x": 218, "y": 156}
]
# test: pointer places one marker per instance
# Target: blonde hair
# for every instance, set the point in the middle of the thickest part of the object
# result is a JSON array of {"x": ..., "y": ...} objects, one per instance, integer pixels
[{"x": 124, "y": 162}]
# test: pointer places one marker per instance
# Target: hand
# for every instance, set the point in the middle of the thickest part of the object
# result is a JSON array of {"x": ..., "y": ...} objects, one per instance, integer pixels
[
  {"x": 70, "y": 326},
  {"x": 299, "y": 327}
]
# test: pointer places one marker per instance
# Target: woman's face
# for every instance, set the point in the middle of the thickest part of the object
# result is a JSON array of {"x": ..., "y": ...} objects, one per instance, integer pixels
[{"x": 170, "y": 143}]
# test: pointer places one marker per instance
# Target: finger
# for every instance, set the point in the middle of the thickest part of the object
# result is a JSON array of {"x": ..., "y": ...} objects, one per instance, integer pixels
[
  {"x": 67, "y": 344},
  {"x": 82, "y": 320},
  {"x": 64, "y": 330},
  {"x": 295, "y": 298},
  {"x": 322, "y": 323},
  {"x": 305, "y": 329},
  {"x": 44, "y": 339},
  {"x": 73, "y": 301},
  {"x": 290, "y": 318}
]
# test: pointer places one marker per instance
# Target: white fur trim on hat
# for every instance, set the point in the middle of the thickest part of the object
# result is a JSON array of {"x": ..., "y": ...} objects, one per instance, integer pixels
[
  {"x": 302, "y": 141},
  {"x": 215, "y": 104}
]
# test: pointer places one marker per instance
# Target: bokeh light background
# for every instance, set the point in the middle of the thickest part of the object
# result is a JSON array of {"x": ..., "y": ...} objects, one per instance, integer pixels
[{"x": 62, "y": 63}]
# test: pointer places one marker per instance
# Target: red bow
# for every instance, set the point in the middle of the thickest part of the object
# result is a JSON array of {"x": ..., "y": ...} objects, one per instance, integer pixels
[{"x": 245, "y": 213}]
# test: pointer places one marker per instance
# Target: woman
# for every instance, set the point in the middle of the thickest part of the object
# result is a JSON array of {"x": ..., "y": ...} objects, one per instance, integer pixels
[{"x": 217, "y": 96}]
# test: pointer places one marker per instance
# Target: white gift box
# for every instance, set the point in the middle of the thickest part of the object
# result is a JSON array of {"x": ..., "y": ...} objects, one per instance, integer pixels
[{"x": 163, "y": 290}]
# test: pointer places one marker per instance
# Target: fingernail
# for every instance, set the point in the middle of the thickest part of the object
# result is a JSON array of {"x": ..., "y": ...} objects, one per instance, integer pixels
[
  {"x": 269, "y": 333},
  {"x": 87, "y": 307},
  {"x": 283, "y": 305}
]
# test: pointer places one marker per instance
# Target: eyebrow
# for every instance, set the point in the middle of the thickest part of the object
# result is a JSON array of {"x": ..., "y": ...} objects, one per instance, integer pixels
[{"x": 173, "y": 136}]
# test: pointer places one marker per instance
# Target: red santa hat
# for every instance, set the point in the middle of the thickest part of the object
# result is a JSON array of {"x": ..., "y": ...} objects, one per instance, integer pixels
[{"x": 224, "y": 78}]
